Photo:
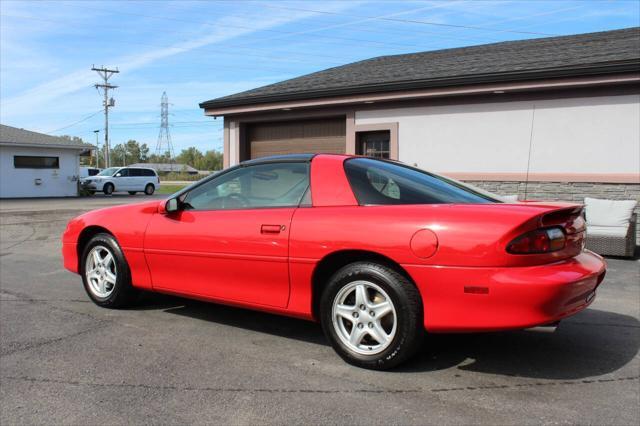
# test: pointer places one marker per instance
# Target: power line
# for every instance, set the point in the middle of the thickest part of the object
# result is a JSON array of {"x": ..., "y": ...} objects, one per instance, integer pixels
[
  {"x": 386, "y": 30},
  {"x": 74, "y": 123},
  {"x": 412, "y": 21},
  {"x": 217, "y": 25}
]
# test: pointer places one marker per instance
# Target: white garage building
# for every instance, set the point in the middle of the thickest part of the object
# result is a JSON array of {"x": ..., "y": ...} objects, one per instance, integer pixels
[{"x": 38, "y": 165}]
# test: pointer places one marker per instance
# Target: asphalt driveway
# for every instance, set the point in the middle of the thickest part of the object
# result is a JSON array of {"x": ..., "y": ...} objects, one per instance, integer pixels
[{"x": 170, "y": 360}]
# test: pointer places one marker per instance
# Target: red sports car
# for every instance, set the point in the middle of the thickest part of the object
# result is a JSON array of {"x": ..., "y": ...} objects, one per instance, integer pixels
[{"x": 376, "y": 251}]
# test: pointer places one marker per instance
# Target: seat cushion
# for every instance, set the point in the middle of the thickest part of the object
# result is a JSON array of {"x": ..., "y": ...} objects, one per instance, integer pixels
[
  {"x": 510, "y": 198},
  {"x": 607, "y": 231},
  {"x": 609, "y": 212}
]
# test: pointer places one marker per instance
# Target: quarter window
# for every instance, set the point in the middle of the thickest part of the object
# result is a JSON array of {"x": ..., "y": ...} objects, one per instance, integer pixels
[
  {"x": 35, "y": 162},
  {"x": 382, "y": 182},
  {"x": 259, "y": 186}
]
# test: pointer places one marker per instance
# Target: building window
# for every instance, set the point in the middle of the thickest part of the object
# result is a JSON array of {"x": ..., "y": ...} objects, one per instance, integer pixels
[
  {"x": 35, "y": 162},
  {"x": 374, "y": 144}
]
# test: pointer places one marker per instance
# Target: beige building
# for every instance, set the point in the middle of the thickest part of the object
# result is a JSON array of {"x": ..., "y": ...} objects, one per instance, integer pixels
[{"x": 562, "y": 112}]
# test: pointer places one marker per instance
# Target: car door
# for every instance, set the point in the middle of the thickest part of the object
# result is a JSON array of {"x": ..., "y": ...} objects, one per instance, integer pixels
[
  {"x": 121, "y": 180},
  {"x": 229, "y": 240}
]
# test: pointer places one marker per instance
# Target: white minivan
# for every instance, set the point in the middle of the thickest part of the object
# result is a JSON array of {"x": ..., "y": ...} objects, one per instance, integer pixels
[{"x": 120, "y": 179}]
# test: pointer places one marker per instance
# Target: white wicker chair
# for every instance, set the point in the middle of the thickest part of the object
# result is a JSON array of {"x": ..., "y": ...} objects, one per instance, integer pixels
[
  {"x": 611, "y": 227},
  {"x": 614, "y": 245}
]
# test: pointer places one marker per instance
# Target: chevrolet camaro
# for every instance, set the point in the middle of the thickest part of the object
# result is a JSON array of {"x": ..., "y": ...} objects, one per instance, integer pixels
[{"x": 378, "y": 252}]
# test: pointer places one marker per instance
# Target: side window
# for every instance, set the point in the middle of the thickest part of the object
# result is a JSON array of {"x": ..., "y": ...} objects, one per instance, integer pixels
[
  {"x": 135, "y": 172},
  {"x": 259, "y": 186},
  {"x": 123, "y": 172},
  {"x": 148, "y": 172}
]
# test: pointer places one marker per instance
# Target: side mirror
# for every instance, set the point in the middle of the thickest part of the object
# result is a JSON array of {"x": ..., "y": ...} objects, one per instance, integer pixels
[
  {"x": 118, "y": 174},
  {"x": 172, "y": 205},
  {"x": 168, "y": 206}
]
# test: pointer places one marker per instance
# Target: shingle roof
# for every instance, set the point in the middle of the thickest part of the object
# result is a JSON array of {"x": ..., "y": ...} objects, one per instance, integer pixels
[
  {"x": 15, "y": 136},
  {"x": 583, "y": 54},
  {"x": 166, "y": 167}
]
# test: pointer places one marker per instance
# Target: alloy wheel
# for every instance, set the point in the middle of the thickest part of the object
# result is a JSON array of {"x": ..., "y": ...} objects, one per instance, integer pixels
[
  {"x": 364, "y": 317},
  {"x": 101, "y": 271}
]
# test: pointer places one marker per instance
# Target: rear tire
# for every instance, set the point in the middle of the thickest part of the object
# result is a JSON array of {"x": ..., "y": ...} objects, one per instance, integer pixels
[
  {"x": 149, "y": 189},
  {"x": 105, "y": 273},
  {"x": 132, "y": 192},
  {"x": 108, "y": 189},
  {"x": 372, "y": 315}
]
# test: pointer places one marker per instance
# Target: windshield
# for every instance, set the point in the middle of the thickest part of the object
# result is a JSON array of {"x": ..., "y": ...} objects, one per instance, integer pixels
[
  {"x": 376, "y": 182},
  {"x": 109, "y": 172}
]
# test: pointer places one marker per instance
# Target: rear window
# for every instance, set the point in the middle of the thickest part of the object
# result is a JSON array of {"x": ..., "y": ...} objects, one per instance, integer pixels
[{"x": 383, "y": 183}]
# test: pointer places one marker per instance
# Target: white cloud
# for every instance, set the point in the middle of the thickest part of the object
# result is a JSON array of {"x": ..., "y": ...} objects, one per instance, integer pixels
[{"x": 229, "y": 27}]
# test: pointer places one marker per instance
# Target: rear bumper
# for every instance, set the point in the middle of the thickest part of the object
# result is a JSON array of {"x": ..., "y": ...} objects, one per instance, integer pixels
[{"x": 462, "y": 299}]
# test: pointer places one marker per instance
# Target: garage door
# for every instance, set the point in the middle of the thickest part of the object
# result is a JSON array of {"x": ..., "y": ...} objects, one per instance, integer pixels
[{"x": 297, "y": 137}]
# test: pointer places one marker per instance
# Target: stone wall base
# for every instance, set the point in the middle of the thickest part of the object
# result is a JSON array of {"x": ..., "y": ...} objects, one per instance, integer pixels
[{"x": 566, "y": 191}]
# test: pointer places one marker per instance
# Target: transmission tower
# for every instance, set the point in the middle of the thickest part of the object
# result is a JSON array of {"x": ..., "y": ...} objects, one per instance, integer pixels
[
  {"x": 164, "y": 137},
  {"x": 107, "y": 103}
]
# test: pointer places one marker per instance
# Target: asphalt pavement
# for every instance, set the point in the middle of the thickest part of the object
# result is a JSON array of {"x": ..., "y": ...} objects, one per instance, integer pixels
[{"x": 168, "y": 360}]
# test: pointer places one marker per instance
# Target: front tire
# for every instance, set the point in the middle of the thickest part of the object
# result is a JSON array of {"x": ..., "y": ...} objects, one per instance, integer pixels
[
  {"x": 149, "y": 189},
  {"x": 372, "y": 315},
  {"x": 105, "y": 273},
  {"x": 108, "y": 189}
]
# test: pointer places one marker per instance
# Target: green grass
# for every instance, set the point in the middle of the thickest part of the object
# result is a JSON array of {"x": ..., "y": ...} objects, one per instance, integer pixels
[{"x": 169, "y": 189}]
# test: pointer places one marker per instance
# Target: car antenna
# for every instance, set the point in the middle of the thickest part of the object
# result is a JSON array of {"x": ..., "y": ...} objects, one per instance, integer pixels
[{"x": 526, "y": 181}]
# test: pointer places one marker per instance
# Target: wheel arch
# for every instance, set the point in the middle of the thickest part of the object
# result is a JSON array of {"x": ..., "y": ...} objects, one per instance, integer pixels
[
  {"x": 332, "y": 262},
  {"x": 86, "y": 235}
]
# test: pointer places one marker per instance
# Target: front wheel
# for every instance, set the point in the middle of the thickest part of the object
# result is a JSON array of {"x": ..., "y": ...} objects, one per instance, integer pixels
[
  {"x": 372, "y": 315},
  {"x": 149, "y": 189},
  {"x": 105, "y": 273}
]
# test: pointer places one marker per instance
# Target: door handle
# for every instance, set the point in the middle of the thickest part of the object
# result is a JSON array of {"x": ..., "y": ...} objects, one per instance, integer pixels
[{"x": 271, "y": 229}]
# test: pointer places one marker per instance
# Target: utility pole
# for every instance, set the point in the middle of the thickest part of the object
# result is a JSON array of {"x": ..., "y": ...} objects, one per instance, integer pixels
[
  {"x": 97, "y": 149},
  {"x": 106, "y": 73}
]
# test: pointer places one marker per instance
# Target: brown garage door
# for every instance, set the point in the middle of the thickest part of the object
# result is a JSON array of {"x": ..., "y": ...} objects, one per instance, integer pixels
[{"x": 297, "y": 137}]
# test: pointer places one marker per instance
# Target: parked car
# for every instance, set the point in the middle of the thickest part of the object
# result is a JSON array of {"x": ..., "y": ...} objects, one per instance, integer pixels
[
  {"x": 120, "y": 179},
  {"x": 88, "y": 171},
  {"x": 376, "y": 251}
]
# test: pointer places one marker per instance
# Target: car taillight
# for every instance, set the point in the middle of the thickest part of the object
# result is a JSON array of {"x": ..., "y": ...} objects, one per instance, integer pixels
[{"x": 543, "y": 240}]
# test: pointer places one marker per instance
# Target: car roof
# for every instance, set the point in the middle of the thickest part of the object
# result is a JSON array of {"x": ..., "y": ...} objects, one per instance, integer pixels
[
  {"x": 280, "y": 158},
  {"x": 290, "y": 158},
  {"x": 136, "y": 167}
]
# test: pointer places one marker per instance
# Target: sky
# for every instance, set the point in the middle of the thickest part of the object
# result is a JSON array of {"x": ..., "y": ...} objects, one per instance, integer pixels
[{"x": 201, "y": 50}]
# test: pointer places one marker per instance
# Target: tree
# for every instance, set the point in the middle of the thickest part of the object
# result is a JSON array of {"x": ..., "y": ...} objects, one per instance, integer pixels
[
  {"x": 212, "y": 161},
  {"x": 190, "y": 156},
  {"x": 129, "y": 153}
]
